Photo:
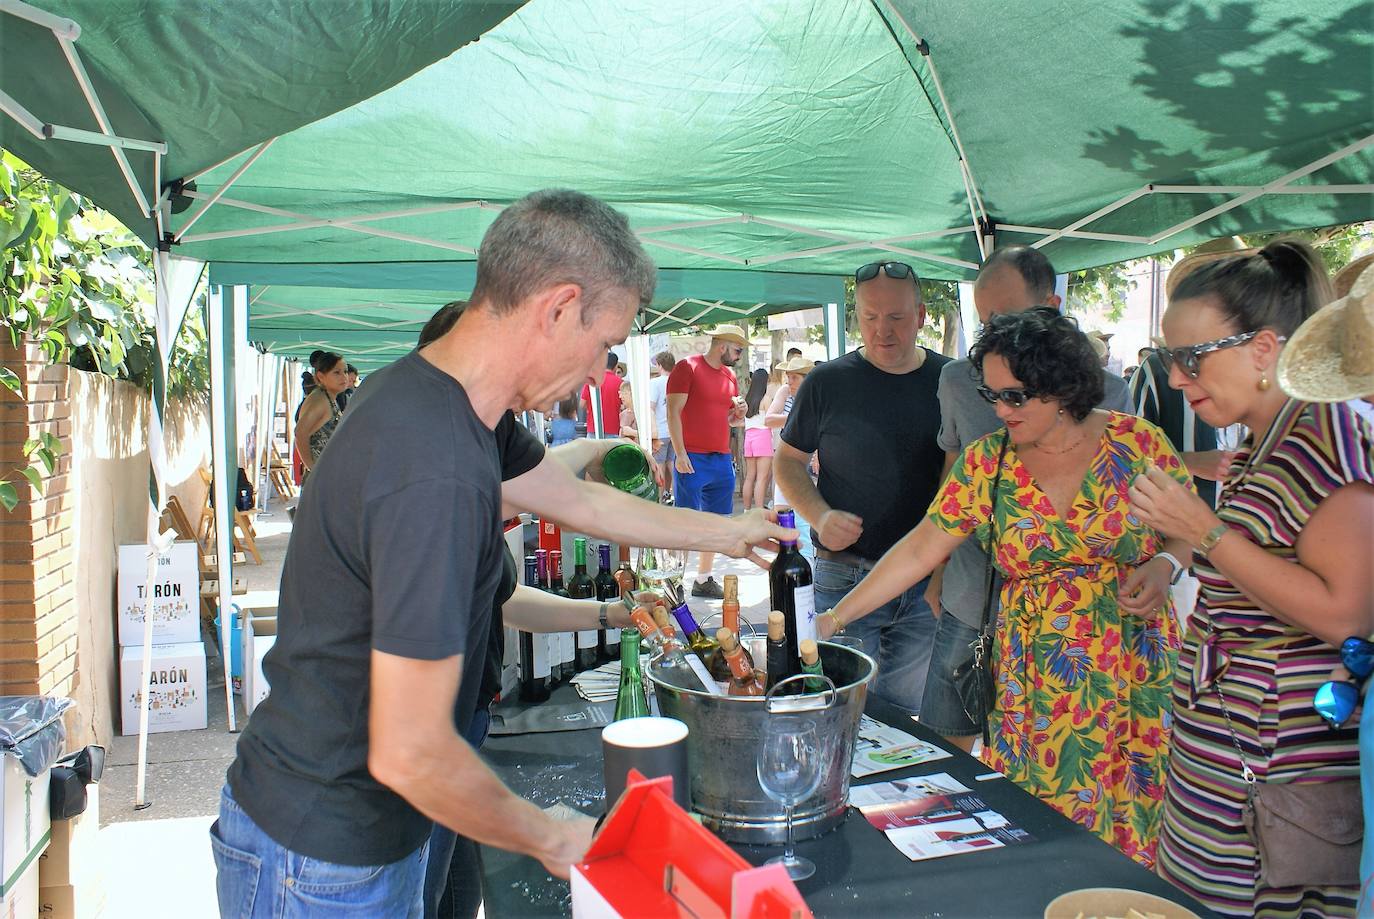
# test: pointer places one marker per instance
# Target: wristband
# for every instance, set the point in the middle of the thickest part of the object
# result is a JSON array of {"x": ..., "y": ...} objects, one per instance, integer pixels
[{"x": 1177, "y": 573}]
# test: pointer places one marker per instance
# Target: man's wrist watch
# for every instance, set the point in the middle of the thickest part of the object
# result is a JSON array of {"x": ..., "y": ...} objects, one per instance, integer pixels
[
  {"x": 1214, "y": 535},
  {"x": 1177, "y": 569},
  {"x": 601, "y": 617}
]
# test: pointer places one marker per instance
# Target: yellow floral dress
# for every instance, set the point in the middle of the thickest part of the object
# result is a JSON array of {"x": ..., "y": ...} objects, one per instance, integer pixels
[{"x": 1082, "y": 718}]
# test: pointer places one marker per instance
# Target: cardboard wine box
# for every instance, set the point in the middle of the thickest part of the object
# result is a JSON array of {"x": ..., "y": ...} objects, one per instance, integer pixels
[
  {"x": 173, "y": 608},
  {"x": 27, "y": 828},
  {"x": 176, "y": 687}
]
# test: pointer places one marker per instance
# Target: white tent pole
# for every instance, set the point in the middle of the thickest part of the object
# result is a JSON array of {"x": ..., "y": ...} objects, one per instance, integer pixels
[
  {"x": 1076, "y": 234},
  {"x": 79, "y": 136},
  {"x": 924, "y": 48},
  {"x": 224, "y": 519},
  {"x": 60, "y": 26},
  {"x": 834, "y": 330},
  {"x": 98, "y": 110},
  {"x": 1293, "y": 176},
  {"x": 27, "y": 119},
  {"x": 691, "y": 250},
  {"x": 219, "y": 192},
  {"x": 637, "y": 360},
  {"x": 695, "y": 224},
  {"x": 1100, "y": 212}
]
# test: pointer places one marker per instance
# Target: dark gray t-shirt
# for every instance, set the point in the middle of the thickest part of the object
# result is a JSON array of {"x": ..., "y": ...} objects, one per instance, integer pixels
[
  {"x": 396, "y": 547},
  {"x": 966, "y": 416},
  {"x": 875, "y": 432}
]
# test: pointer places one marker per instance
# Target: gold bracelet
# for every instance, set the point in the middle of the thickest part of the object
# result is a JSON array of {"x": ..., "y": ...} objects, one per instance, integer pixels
[{"x": 839, "y": 623}]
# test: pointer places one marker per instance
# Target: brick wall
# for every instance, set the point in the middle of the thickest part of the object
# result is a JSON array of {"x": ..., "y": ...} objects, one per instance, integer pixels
[{"x": 38, "y": 620}]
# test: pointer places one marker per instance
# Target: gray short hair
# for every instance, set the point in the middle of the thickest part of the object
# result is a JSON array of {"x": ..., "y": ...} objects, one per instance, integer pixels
[{"x": 557, "y": 236}]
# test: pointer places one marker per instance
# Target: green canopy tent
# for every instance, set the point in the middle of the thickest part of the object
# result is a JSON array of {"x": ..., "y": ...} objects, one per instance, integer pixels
[
  {"x": 803, "y": 136},
  {"x": 373, "y": 327},
  {"x": 811, "y": 135},
  {"x": 125, "y": 101}
]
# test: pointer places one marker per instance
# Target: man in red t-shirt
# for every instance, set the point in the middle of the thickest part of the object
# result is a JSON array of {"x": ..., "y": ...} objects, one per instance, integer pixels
[
  {"x": 703, "y": 404},
  {"x": 610, "y": 400}
]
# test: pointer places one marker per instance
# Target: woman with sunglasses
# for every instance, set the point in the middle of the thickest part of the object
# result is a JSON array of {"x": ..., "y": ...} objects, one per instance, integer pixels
[
  {"x": 1086, "y": 639},
  {"x": 1285, "y": 572}
]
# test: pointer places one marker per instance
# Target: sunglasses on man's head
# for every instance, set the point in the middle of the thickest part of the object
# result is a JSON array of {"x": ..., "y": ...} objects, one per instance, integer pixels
[
  {"x": 1336, "y": 700},
  {"x": 897, "y": 270},
  {"x": 1013, "y": 397},
  {"x": 1189, "y": 357}
]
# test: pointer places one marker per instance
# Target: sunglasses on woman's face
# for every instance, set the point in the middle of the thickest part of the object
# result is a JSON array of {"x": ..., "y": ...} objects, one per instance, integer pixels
[
  {"x": 1336, "y": 700},
  {"x": 1012, "y": 397},
  {"x": 1189, "y": 357},
  {"x": 896, "y": 270}
]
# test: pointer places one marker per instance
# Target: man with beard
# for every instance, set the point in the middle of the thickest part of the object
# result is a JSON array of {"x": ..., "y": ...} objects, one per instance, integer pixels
[{"x": 703, "y": 404}]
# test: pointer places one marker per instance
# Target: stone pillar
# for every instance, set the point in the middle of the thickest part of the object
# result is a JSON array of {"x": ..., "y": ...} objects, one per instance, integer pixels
[{"x": 38, "y": 622}]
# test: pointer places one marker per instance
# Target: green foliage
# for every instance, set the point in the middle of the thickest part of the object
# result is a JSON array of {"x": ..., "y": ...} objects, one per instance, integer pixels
[
  {"x": 44, "y": 449},
  {"x": 75, "y": 280}
]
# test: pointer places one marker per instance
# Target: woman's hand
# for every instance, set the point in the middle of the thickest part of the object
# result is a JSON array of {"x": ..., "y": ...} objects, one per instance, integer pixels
[
  {"x": 827, "y": 624},
  {"x": 1146, "y": 591},
  {"x": 1162, "y": 503}
]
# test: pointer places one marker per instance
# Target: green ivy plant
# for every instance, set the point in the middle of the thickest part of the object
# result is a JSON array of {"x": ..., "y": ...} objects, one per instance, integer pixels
[{"x": 77, "y": 282}]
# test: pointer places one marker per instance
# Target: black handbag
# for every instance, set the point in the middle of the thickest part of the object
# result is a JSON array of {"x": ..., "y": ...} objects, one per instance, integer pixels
[{"x": 973, "y": 680}]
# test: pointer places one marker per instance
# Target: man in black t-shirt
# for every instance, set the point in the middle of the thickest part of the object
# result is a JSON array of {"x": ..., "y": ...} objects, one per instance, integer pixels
[
  {"x": 390, "y": 575},
  {"x": 872, "y": 416},
  {"x": 388, "y": 584}
]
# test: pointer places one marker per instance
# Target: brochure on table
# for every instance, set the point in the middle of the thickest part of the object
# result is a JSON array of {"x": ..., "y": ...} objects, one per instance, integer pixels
[
  {"x": 880, "y": 748},
  {"x": 932, "y": 816}
]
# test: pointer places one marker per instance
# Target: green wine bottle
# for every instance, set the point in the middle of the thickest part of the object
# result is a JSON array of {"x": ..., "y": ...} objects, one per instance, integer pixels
[
  {"x": 627, "y": 468},
  {"x": 630, "y": 700},
  {"x": 811, "y": 665}
]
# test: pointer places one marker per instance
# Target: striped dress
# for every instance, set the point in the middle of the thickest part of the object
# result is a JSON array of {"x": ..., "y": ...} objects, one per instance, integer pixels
[{"x": 1266, "y": 671}]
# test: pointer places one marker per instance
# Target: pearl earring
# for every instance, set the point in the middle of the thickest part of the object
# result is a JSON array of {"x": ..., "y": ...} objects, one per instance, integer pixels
[{"x": 1263, "y": 383}]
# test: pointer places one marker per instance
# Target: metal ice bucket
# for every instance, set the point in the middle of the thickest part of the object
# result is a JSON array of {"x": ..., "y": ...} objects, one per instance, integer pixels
[{"x": 723, "y": 742}]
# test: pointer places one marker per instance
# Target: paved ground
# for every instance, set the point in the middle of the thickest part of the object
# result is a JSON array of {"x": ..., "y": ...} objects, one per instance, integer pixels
[{"x": 158, "y": 858}]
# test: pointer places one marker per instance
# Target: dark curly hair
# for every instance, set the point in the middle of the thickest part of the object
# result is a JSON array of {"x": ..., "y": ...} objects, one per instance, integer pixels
[{"x": 1048, "y": 353}]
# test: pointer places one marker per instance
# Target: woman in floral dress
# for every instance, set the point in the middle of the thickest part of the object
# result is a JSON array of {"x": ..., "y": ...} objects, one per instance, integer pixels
[{"x": 1086, "y": 638}]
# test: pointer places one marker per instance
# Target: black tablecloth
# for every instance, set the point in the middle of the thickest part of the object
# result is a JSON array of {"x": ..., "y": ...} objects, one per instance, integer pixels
[{"x": 858, "y": 871}]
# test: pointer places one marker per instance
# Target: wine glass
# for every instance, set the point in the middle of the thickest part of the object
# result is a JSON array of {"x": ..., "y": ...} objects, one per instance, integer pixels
[{"x": 789, "y": 770}]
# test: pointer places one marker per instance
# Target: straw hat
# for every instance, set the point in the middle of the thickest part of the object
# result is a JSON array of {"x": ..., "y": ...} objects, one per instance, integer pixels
[
  {"x": 1210, "y": 251},
  {"x": 796, "y": 365},
  {"x": 1345, "y": 278},
  {"x": 1330, "y": 358},
  {"x": 730, "y": 333}
]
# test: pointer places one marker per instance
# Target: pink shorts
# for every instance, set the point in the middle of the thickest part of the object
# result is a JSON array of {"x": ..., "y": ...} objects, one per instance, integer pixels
[{"x": 758, "y": 442}]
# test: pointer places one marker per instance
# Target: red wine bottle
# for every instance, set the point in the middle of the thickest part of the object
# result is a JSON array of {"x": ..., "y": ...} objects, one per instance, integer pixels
[
  {"x": 535, "y": 680},
  {"x": 789, "y": 586}
]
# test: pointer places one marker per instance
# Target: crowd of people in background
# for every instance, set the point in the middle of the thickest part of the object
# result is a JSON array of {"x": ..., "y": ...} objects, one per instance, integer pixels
[{"x": 1159, "y": 564}]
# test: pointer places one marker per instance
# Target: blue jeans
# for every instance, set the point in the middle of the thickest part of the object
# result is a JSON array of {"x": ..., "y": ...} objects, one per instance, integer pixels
[
  {"x": 710, "y": 488},
  {"x": 899, "y": 635},
  {"x": 941, "y": 709},
  {"x": 453, "y": 872},
  {"x": 258, "y": 879}
]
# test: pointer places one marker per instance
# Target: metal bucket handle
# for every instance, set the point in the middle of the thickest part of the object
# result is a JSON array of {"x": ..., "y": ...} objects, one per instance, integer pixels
[
  {"x": 821, "y": 701},
  {"x": 753, "y": 630}
]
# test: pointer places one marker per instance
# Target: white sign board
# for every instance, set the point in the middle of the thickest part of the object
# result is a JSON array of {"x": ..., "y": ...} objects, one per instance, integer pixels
[{"x": 174, "y": 604}]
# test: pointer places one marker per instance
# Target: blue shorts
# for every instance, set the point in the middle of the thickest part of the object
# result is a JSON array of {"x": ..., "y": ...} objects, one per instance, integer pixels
[{"x": 710, "y": 488}]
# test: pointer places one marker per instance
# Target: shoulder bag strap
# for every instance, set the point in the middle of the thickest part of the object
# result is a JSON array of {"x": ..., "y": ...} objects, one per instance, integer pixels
[{"x": 990, "y": 584}]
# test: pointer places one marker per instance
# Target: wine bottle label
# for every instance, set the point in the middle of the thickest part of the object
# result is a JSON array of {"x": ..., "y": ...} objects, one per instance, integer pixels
[
  {"x": 567, "y": 647},
  {"x": 587, "y": 638},
  {"x": 723, "y": 687},
  {"x": 804, "y": 602},
  {"x": 541, "y": 657},
  {"x": 703, "y": 674}
]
